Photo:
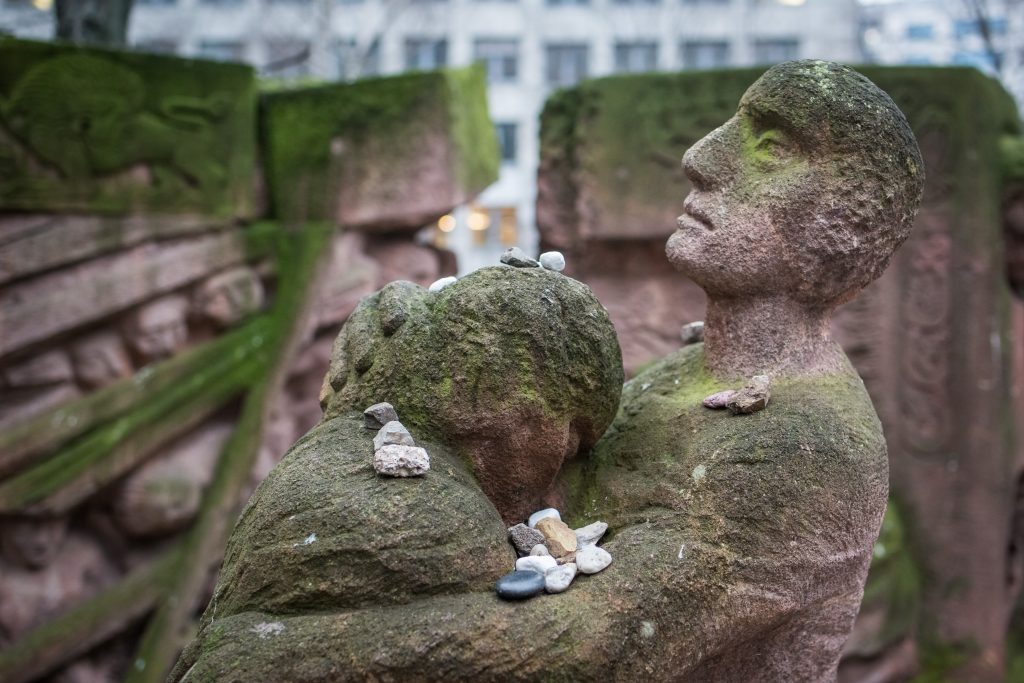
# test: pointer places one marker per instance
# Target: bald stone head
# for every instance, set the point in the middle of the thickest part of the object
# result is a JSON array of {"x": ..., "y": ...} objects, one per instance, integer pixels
[{"x": 805, "y": 193}]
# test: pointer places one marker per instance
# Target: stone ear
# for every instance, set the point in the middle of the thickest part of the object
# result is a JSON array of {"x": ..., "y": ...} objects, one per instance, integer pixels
[{"x": 394, "y": 305}]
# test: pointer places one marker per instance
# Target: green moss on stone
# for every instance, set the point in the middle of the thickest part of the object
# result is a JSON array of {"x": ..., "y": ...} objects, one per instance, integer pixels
[
  {"x": 114, "y": 132},
  {"x": 312, "y": 135}
]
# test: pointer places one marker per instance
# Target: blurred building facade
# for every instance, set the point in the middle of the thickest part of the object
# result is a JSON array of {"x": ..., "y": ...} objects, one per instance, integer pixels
[
  {"x": 530, "y": 47},
  {"x": 940, "y": 32}
]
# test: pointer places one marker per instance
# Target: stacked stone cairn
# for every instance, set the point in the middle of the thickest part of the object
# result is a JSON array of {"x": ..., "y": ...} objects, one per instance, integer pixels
[
  {"x": 550, "y": 555},
  {"x": 395, "y": 453}
]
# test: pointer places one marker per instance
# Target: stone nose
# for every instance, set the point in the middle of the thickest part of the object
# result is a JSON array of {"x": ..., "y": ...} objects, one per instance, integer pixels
[{"x": 709, "y": 162}]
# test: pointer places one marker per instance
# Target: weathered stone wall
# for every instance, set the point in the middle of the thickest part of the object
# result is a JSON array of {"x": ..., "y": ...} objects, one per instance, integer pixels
[
  {"x": 164, "y": 329},
  {"x": 937, "y": 339}
]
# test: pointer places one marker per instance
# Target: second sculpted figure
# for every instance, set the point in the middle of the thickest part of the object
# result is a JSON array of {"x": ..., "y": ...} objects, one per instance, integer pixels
[{"x": 741, "y": 543}]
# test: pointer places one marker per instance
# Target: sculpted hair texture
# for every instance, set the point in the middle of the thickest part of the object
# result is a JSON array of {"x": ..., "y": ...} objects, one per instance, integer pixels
[{"x": 842, "y": 119}]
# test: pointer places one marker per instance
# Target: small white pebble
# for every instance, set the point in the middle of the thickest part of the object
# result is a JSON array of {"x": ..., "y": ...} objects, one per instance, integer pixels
[
  {"x": 438, "y": 285},
  {"x": 538, "y": 563},
  {"x": 541, "y": 514},
  {"x": 552, "y": 260},
  {"x": 590, "y": 534},
  {"x": 557, "y": 579},
  {"x": 539, "y": 550},
  {"x": 591, "y": 559}
]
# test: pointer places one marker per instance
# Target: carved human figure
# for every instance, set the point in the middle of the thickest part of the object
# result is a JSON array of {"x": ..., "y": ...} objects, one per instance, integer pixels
[{"x": 741, "y": 543}]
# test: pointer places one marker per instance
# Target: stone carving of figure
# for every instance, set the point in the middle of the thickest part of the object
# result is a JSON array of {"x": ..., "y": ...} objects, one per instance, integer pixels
[{"x": 741, "y": 542}]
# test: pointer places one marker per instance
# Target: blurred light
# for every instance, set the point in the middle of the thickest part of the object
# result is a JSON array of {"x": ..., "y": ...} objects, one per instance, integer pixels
[
  {"x": 43, "y": 5},
  {"x": 791, "y": 3},
  {"x": 872, "y": 36},
  {"x": 446, "y": 223},
  {"x": 478, "y": 220}
]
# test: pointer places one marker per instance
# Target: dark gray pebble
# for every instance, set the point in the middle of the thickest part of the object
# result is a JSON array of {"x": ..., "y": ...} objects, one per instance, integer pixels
[{"x": 520, "y": 585}]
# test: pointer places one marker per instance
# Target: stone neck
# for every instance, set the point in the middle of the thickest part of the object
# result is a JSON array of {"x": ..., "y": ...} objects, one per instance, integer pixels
[{"x": 767, "y": 336}]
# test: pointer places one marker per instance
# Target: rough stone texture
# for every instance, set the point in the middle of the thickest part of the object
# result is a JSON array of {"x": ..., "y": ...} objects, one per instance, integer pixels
[
  {"x": 719, "y": 400},
  {"x": 341, "y": 152},
  {"x": 692, "y": 332},
  {"x": 737, "y": 565},
  {"x": 115, "y": 132},
  {"x": 326, "y": 485},
  {"x": 158, "y": 329},
  {"x": 50, "y": 367},
  {"x": 751, "y": 571},
  {"x": 164, "y": 495},
  {"x": 32, "y": 543},
  {"x": 351, "y": 275},
  {"x": 378, "y": 415},
  {"x": 17, "y": 405},
  {"x": 517, "y": 258},
  {"x": 937, "y": 338},
  {"x": 229, "y": 297},
  {"x": 33, "y": 243},
  {"x": 752, "y": 397},
  {"x": 100, "y": 359},
  {"x": 40, "y": 307},
  {"x": 30, "y": 597},
  {"x": 524, "y": 538},
  {"x": 393, "y": 432},
  {"x": 396, "y": 460},
  {"x": 518, "y": 368},
  {"x": 558, "y": 537}
]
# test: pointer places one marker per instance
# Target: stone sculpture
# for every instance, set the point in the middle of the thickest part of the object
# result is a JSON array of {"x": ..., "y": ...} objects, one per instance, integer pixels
[{"x": 741, "y": 542}]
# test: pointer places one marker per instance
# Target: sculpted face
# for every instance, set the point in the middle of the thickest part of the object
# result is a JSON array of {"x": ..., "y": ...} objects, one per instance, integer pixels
[
  {"x": 729, "y": 239},
  {"x": 806, "y": 191}
]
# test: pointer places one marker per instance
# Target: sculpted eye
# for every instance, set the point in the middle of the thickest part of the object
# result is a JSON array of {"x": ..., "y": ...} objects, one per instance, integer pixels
[{"x": 772, "y": 142}]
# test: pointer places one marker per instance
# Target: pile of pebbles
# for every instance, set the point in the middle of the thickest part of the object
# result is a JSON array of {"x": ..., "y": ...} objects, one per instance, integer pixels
[
  {"x": 395, "y": 453},
  {"x": 551, "y": 555},
  {"x": 517, "y": 258}
]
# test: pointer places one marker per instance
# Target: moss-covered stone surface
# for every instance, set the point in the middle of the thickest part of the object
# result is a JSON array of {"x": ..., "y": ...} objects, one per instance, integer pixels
[
  {"x": 517, "y": 368},
  {"x": 325, "y": 532},
  {"x": 114, "y": 132},
  {"x": 719, "y": 525},
  {"x": 379, "y": 153}
]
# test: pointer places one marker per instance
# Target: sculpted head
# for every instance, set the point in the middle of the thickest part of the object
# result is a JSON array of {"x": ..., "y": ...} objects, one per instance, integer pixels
[
  {"x": 805, "y": 192},
  {"x": 516, "y": 368}
]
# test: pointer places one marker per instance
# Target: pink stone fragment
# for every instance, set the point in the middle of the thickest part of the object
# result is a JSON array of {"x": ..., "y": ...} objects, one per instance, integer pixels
[{"x": 719, "y": 400}]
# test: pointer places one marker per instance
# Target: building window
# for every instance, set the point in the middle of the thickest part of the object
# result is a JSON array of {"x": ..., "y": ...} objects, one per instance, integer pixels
[
  {"x": 287, "y": 58},
  {"x": 920, "y": 32},
  {"x": 566, "y": 64},
  {"x": 222, "y": 50},
  {"x": 501, "y": 57},
  {"x": 705, "y": 54},
  {"x": 631, "y": 58},
  {"x": 506, "y": 141},
  {"x": 772, "y": 51},
  {"x": 425, "y": 53},
  {"x": 157, "y": 46},
  {"x": 964, "y": 28},
  {"x": 356, "y": 61}
]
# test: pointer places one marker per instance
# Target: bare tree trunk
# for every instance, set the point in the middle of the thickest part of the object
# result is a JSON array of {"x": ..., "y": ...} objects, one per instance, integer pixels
[{"x": 93, "y": 22}]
